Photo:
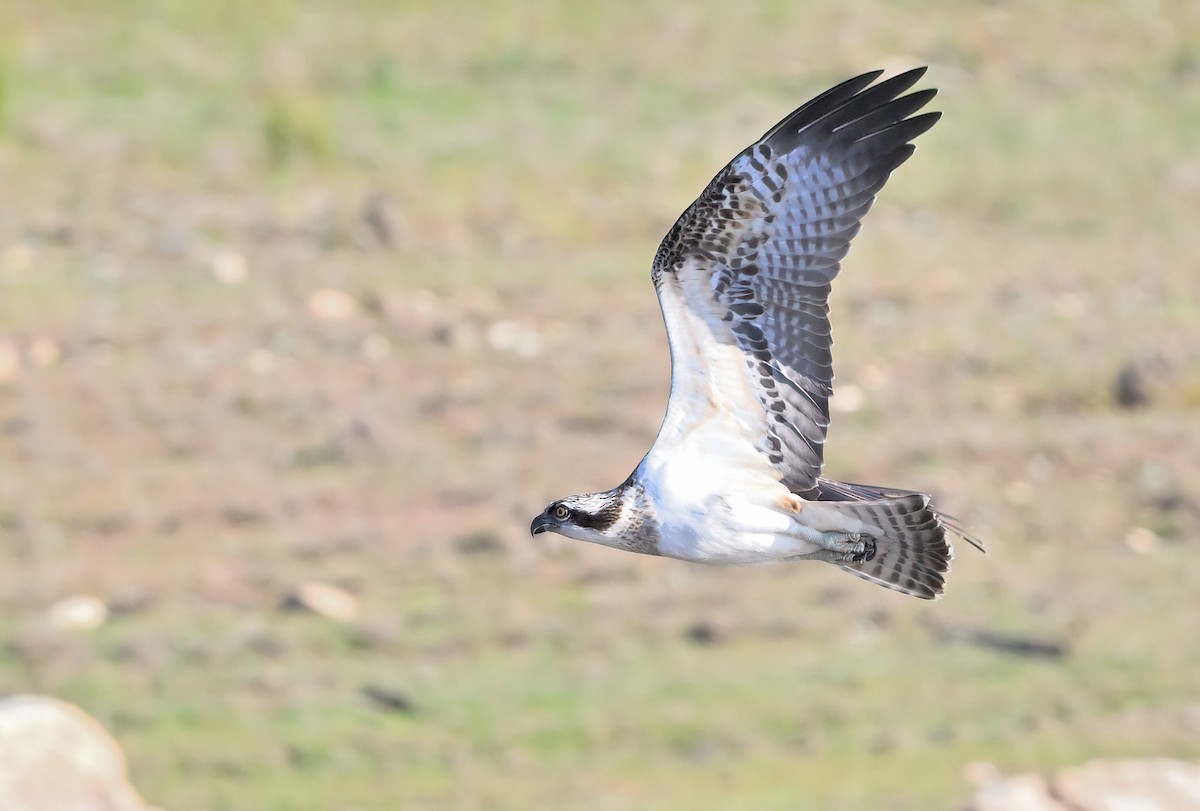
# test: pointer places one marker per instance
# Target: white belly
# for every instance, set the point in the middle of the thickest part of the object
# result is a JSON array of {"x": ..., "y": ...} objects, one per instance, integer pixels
[{"x": 718, "y": 501}]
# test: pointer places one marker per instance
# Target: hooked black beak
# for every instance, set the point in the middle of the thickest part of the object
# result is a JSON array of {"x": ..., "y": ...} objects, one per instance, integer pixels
[{"x": 541, "y": 524}]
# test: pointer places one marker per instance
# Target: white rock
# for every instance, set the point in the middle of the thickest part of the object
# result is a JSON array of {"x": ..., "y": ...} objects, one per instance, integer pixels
[
  {"x": 1156, "y": 784},
  {"x": 1141, "y": 540},
  {"x": 980, "y": 773},
  {"x": 81, "y": 612},
  {"x": 54, "y": 756},
  {"x": 229, "y": 267},
  {"x": 847, "y": 399},
  {"x": 520, "y": 340},
  {"x": 16, "y": 259},
  {"x": 332, "y": 305},
  {"x": 261, "y": 361},
  {"x": 10, "y": 360},
  {"x": 44, "y": 351},
  {"x": 376, "y": 347},
  {"x": 324, "y": 599},
  {"x": 1024, "y": 792}
]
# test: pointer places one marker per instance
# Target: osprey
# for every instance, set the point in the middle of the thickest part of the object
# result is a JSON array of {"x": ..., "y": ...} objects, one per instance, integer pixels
[{"x": 743, "y": 278}]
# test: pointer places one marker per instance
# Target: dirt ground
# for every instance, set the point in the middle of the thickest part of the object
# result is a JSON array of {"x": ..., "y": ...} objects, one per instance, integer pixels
[{"x": 304, "y": 293}]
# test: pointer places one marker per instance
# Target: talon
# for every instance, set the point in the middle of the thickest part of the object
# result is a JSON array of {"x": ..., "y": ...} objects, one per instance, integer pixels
[{"x": 866, "y": 551}]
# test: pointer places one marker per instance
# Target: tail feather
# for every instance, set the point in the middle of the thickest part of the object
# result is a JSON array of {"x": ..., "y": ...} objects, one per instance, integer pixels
[
  {"x": 833, "y": 490},
  {"x": 912, "y": 553}
]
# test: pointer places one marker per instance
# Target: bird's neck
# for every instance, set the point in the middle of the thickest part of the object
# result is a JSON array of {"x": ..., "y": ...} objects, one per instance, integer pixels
[{"x": 636, "y": 527}]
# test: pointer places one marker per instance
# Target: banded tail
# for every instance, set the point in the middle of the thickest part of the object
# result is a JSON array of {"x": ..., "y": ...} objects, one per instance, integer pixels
[{"x": 912, "y": 552}]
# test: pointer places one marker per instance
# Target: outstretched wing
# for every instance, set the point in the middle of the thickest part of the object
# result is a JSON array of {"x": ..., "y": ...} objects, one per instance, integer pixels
[{"x": 749, "y": 266}]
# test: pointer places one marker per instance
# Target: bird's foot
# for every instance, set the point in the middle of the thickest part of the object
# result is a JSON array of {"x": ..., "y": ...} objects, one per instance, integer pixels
[
  {"x": 866, "y": 553},
  {"x": 851, "y": 547}
]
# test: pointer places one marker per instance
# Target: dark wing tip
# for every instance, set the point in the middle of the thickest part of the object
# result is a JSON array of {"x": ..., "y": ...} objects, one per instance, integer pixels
[
  {"x": 823, "y": 103},
  {"x": 909, "y": 77},
  {"x": 855, "y": 109},
  {"x": 910, "y": 128}
]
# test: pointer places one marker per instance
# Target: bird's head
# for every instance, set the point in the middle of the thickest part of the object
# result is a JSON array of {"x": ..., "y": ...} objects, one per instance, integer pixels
[{"x": 591, "y": 517}]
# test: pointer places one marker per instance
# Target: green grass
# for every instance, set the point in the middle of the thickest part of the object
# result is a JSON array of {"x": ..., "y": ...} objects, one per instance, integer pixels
[{"x": 659, "y": 725}]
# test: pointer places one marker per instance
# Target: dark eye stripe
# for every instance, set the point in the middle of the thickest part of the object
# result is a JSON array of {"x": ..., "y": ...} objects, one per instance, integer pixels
[{"x": 601, "y": 520}]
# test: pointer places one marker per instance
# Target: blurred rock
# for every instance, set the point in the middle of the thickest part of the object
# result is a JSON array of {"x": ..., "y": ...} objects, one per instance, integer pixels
[
  {"x": 16, "y": 260},
  {"x": 462, "y": 337},
  {"x": 261, "y": 361},
  {"x": 44, "y": 351},
  {"x": 371, "y": 303},
  {"x": 1130, "y": 388},
  {"x": 1141, "y": 540},
  {"x": 324, "y": 599},
  {"x": 518, "y": 339},
  {"x": 229, "y": 267},
  {"x": 381, "y": 219},
  {"x": 81, "y": 612},
  {"x": 10, "y": 360},
  {"x": 847, "y": 399},
  {"x": 1101, "y": 785},
  {"x": 708, "y": 632},
  {"x": 1025, "y": 792},
  {"x": 1140, "y": 382},
  {"x": 376, "y": 347},
  {"x": 332, "y": 305},
  {"x": 387, "y": 698},
  {"x": 55, "y": 757},
  {"x": 981, "y": 773},
  {"x": 1145, "y": 785}
]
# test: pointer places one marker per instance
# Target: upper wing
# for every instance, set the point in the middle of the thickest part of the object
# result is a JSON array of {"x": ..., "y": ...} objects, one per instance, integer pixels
[{"x": 749, "y": 264}]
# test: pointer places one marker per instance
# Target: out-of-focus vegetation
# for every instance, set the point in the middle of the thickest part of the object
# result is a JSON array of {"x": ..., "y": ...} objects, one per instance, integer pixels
[{"x": 310, "y": 292}]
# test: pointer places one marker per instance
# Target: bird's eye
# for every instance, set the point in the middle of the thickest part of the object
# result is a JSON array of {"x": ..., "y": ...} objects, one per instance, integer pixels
[{"x": 561, "y": 512}]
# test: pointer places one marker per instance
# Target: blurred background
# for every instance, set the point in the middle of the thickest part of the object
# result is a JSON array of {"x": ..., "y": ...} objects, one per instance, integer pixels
[{"x": 306, "y": 309}]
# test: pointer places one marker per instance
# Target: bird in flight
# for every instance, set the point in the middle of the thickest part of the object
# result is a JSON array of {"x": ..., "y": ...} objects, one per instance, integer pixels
[{"x": 743, "y": 279}]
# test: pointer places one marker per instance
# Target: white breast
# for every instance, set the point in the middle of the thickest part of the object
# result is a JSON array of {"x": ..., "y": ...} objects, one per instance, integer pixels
[{"x": 716, "y": 498}]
